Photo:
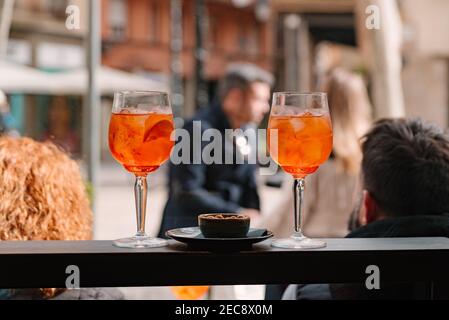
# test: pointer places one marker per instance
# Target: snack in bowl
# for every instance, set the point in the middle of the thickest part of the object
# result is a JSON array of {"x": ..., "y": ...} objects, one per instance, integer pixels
[{"x": 224, "y": 225}]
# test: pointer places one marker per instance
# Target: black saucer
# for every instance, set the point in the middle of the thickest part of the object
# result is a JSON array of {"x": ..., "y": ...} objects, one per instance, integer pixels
[{"x": 196, "y": 240}]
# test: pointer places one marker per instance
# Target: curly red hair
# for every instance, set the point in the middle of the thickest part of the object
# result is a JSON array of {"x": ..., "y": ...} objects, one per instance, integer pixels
[{"x": 42, "y": 194}]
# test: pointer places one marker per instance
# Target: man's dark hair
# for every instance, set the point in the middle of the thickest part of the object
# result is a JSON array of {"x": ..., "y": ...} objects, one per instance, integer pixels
[
  {"x": 241, "y": 75},
  {"x": 406, "y": 167}
]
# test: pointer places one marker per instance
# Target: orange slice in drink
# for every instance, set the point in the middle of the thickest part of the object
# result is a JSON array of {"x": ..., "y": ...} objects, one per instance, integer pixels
[{"x": 157, "y": 127}]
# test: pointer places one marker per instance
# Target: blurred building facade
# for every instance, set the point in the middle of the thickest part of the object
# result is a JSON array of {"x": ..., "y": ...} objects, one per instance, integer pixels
[
  {"x": 39, "y": 38},
  {"x": 137, "y": 37},
  {"x": 424, "y": 58}
]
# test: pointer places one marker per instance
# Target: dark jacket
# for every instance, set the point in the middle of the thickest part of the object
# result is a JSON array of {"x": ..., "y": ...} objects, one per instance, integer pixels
[
  {"x": 416, "y": 226},
  {"x": 208, "y": 188}
]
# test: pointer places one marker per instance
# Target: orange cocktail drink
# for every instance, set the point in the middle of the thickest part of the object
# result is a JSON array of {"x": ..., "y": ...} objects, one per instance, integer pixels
[
  {"x": 303, "y": 142},
  {"x": 141, "y": 142}
]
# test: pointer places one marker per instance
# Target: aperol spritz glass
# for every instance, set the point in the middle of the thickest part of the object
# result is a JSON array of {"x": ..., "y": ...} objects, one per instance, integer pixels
[
  {"x": 299, "y": 141},
  {"x": 140, "y": 139}
]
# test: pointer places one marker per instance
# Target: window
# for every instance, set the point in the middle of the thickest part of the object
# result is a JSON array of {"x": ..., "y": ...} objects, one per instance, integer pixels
[
  {"x": 254, "y": 39},
  {"x": 57, "y": 8},
  {"x": 213, "y": 32},
  {"x": 52, "y": 8},
  {"x": 154, "y": 21},
  {"x": 248, "y": 38},
  {"x": 241, "y": 37},
  {"x": 118, "y": 19}
]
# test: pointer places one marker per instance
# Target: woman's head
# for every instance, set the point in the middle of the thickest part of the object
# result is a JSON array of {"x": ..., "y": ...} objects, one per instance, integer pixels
[
  {"x": 42, "y": 193},
  {"x": 351, "y": 116}
]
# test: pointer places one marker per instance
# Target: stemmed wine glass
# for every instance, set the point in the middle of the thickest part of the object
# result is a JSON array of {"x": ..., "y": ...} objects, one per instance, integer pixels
[
  {"x": 299, "y": 140},
  {"x": 140, "y": 139}
]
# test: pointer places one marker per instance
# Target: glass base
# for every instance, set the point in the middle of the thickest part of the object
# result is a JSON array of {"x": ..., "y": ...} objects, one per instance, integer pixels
[
  {"x": 295, "y": 242},
  {"x": 139, "y": 242}
]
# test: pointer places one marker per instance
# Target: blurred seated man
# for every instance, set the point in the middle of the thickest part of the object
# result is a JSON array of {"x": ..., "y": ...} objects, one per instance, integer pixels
[
  {"x": 196, "y": 187},
  {"x": 60, "y": 130},
  {"x": 405, "y": 177},
  {"x": 43, "y": 197}
]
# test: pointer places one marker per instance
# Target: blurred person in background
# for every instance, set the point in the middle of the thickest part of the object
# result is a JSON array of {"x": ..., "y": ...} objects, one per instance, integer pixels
[
  {"x": 60, "y": 129},
  {"x": 405, "y": 193},
  {"x": 43, "y": 197},
  {"x": 7, "y": 120},
  {"x": 331, "y": 192},
  {"x": 194, "y": 189}
]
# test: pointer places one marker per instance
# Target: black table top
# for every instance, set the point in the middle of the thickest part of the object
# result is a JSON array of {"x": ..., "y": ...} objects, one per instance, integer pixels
[{"x": 28, "y": 264}]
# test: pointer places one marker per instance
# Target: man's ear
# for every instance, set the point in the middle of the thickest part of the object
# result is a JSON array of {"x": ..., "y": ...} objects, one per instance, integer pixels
[{"x": 370, "y": 211}]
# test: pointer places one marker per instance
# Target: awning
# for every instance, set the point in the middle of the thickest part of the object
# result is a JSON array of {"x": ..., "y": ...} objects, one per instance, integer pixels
[
  {"x": 109, "y": 81},
  {"x": 15, "y": 78}
]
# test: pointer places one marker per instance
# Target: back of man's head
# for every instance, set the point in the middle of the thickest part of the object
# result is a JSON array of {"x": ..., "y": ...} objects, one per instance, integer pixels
[
  {"x": 406, "y": 167},
  {"x": 241, "y": 75}
]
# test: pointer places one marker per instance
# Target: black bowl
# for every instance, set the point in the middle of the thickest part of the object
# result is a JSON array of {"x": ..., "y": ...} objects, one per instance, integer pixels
[{"x": 221, "y": 225}]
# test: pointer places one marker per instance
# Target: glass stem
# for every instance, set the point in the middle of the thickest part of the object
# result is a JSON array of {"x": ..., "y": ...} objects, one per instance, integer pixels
[
  {"x": 140, "y": 194},
  {"x": 298, "y": 195}
]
